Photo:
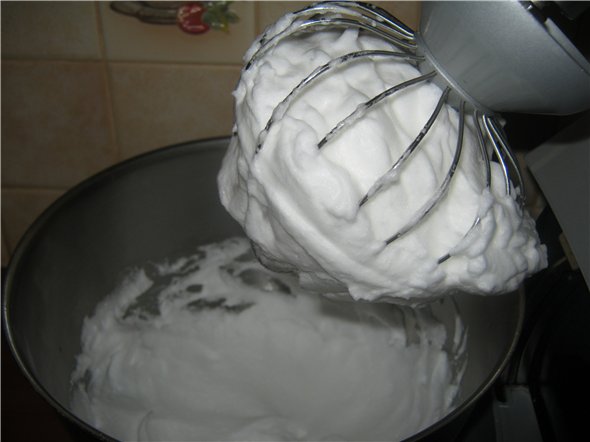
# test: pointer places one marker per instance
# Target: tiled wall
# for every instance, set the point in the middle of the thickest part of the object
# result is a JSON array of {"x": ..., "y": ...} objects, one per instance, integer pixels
[{"x": 84, "y": 87}]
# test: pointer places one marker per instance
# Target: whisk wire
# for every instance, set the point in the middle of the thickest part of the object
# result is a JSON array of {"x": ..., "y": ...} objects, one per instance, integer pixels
[
  {"x": 281, "y": 109},
  {"x": 477, "y": 118},
  {"x": 442, "y": 190},
  {"x": 487, "y": 173},
  {"x": 377, "y": 22},
  {"x": 506, "y": 160},
  {"x": 363, "y": 108},
  {"x": 391, "y": 174},
  {"x": 340, "y": 15},
  {"x": 371, "y": 12}
]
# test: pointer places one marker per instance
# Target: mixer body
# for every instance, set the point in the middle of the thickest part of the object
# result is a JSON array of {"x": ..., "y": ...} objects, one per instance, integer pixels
[{"x": 504, "y": 57}]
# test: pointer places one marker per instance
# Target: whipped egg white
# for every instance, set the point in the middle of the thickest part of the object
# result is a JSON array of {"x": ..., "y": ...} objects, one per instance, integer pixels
[
  {"x": 213, "y": 346},
  {"x": 300, "y": 204}
]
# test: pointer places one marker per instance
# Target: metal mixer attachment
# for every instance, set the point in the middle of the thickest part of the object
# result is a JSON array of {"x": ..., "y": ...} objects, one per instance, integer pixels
[{"x": 371, "y": 19}]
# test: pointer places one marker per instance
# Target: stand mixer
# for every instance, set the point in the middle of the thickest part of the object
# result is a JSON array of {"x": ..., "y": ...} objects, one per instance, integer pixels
[
  {"x": 487, "y": 57},
  {"x": 43, "y": 335}
]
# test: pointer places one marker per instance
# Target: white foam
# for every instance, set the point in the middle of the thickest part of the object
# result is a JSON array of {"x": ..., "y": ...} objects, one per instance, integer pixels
[
  {"x": 299, "y": 204},
  {"x": 215, "y": 347}
]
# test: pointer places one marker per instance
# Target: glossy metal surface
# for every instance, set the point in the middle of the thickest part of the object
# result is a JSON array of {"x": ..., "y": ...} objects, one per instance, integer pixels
[{"x": 504, "y": 57}]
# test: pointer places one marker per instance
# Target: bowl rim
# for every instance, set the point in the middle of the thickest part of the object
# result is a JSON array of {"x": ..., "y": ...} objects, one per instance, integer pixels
[{"x": 174, "y": 150}]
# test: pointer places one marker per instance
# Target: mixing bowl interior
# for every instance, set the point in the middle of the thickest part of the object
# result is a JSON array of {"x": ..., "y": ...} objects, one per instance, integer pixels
[{"x": 146, "y": 209}]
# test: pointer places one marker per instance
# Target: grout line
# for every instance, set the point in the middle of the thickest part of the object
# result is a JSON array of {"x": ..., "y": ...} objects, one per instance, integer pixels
[
  {"x": 108, "y": 85},
  {"x": 123, "y": 61},
  {"x": 24, "y": 60},
  {"x": 25, "y": 188},
  {"x": 177, "y": 64},
  {"x": 256, "y": 19}
]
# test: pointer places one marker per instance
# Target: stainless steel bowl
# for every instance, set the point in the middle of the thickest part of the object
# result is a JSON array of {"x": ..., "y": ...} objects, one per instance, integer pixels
[{"x": 148, "y": 208}]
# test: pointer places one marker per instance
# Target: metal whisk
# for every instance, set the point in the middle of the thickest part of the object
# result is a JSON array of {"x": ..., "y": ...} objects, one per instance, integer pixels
[{"x": 411, "y": 47}]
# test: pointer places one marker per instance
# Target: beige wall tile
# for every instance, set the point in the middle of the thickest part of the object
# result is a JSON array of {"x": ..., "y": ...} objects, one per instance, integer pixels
[
  {"x": 267, "y": 12},
  {"x": 62, "y": 30},
  {"x": 20, "y": 207},
  {"x": 158, "y": 105},
  {"x": 56, "y": 129},
  {"x": 128, "y": 39}
]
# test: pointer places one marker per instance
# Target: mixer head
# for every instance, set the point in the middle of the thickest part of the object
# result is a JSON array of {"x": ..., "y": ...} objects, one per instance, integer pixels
[{"x": 404, "y": 46}]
